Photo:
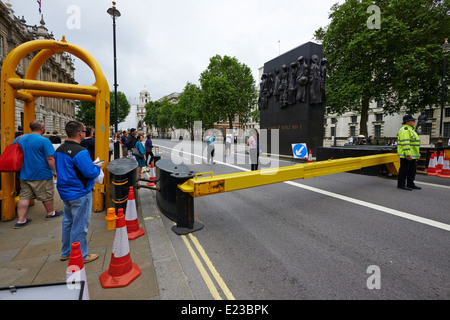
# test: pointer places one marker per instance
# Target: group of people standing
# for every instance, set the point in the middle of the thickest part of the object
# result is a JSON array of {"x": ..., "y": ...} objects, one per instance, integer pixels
[
  {"x": 252, "y": 142},
  {"x": 132, "y": 144},
  {"x": 73, "y": 169}
]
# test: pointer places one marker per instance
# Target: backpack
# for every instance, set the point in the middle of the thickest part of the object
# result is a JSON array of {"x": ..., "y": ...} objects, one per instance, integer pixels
[{"x": 11, "y": 160}]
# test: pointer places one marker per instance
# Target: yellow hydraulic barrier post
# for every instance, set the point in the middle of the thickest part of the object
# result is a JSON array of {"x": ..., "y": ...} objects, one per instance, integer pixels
[{"x": 29, "y": 89}]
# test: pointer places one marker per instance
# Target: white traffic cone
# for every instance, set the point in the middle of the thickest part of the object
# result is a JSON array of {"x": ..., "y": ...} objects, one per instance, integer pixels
[
  {"x": 445, "y": 173},
  {"x": 440, "y": 162},
  {"x": 131, "y": 219},
  {"x": 310, "y": 159},
  {"x": 122, "y": 270},
  {"x": 76, "y": 271},
  {"x": 431, "y": 170},
  {"x": 152, "y": 175}
]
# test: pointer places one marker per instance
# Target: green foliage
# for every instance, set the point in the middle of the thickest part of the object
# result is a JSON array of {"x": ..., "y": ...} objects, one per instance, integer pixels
[
  {"x": 226, "y": 88},
  {"x": 86, "y": 110},
  {"x": 400, "y": 63}
]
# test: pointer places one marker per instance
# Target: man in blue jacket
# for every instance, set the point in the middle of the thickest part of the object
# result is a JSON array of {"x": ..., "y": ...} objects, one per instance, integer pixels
[{"x": 76, "y": 174}]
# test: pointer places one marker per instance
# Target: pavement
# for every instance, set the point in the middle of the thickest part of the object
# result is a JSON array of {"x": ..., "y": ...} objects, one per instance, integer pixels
[{"x": 31, "y": 255}]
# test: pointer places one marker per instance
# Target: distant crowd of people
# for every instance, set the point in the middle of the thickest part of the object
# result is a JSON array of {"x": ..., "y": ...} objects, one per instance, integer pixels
[{"x": 361, "y": 140}]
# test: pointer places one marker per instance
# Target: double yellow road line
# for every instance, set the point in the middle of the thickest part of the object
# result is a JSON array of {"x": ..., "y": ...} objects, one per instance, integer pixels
[{"x": 212, "y": 270}]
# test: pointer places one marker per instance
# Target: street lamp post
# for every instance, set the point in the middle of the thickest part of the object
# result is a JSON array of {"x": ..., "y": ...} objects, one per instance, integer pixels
[
  {"x": 113, "y": 12},
  {"x": 445, "y": 50}
]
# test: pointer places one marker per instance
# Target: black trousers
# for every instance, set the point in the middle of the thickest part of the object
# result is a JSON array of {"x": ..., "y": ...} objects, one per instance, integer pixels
[
  {"x": 407, "y": 173},
  {"x": 149, "y": 156}
]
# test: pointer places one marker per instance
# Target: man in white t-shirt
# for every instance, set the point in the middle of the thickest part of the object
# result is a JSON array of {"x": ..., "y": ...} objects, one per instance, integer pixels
[{"x": 229, "y": 139}]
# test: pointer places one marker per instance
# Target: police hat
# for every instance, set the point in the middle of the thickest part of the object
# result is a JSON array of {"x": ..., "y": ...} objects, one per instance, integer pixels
[{"x": 408, "y": 117}]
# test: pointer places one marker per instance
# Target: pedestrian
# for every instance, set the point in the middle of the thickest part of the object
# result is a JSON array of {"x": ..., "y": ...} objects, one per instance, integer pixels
[
  {"x": 131, "y": 140},
  {"x": 19, "y": 132},
  {"x": 76, "y": 174},
  {"x": 210, "y": 149},
  {"x": 37, "y": 173},
  {"x": 140, "y": 159},
  {"x": 55, "y": 139},
  {"x": 89, "y": 142},
  {"x": 408, "y": 150},
  {"x": 149, "y": 150},
  {"x": 229, "y": 139},
  {"x": 123, "y": 143},
  {"x": 112, "y": 140},
  {"x": 253, "y": 143}
]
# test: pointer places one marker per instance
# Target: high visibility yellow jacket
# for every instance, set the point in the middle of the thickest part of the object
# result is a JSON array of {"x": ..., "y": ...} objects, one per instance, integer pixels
[{"x": 408, "y": 142}]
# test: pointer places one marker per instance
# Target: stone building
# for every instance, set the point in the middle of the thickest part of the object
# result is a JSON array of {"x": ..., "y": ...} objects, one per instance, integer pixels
[
  {"x": 383, "y": 127},
  {"x": 14, "y": 31}
]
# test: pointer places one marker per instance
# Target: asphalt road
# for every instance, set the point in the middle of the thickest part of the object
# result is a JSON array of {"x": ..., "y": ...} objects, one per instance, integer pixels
[{"x": 342, "y": 236}]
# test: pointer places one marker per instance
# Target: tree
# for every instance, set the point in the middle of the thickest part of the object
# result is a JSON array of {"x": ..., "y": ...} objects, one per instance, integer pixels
[
  {"x": 228, "y": 88},
  {"x": 159, "y": 115},
  {"x": 152, "y": 110},
  {"x": 188, "y": 108},
  {"x": 399, "y": 63},
  {"x": 86, "y": 110}
]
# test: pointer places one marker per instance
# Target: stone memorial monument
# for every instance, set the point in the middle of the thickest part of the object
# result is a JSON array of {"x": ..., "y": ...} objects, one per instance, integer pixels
[{"x": 292, "y": 97}]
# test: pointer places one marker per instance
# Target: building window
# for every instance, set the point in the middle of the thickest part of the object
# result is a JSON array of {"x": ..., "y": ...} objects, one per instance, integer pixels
[
  {"x": 447, "y": 112},
  {"x": 379, "y": 104},
  {"x": 379, "y": 117},
  {"x": 377, "y": 129},
  {"x": 354, "y": 119},
  {"x": 427, "y": 128},
  {"x": 1, "y": 46},
  {"x": 333, "y": 120},
  {"x": 429, "y": 113},
  {"x": 352, "y": 131},
  {"x": 447, "y": 129}
]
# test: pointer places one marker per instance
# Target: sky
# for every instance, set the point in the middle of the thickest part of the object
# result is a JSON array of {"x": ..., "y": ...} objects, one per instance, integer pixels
[{"x": 163, "y": 45}]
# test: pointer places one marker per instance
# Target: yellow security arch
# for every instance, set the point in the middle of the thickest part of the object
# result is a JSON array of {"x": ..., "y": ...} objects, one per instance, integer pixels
[{"x": 29, "y": 89}]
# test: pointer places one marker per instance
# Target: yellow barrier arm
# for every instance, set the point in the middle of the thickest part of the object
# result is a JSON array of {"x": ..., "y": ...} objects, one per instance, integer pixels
[{"x": 203, "y": 185}]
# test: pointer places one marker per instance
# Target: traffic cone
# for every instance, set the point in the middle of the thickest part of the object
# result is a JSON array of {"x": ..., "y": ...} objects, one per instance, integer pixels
[
  {"x": 445, "y": 173},
  {"x": 440, "y": 162},
  {"x": 152, "y": 175},
  {"x": 310, "y": 159},
  {"x": 431, "y": 170},
  {"x": 111, "y": 219},
  {"x": 133, "y": 229},
  {"x": 122, "y": 270},
  {"x": 76, "y": 271}
]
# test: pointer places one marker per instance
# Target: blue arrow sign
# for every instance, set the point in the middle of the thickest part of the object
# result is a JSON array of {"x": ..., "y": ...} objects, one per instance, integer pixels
[{"x": 300, "y": 150}]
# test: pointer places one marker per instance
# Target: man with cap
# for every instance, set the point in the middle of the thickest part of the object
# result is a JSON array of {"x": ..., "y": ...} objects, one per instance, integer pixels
[{"x": 408, "y": 150}]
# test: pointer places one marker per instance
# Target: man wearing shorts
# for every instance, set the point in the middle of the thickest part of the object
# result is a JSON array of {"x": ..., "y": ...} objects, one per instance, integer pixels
[{"x": 36, "y": 175}]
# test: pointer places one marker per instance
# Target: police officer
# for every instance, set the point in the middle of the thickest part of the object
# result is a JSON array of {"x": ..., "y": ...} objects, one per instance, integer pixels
[{"x": 408, "y": 150}]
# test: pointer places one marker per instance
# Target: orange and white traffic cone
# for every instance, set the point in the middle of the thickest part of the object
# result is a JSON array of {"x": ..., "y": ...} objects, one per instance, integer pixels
[
  {"x": 131, "y": 219},
  {"x": 152, "y": 175},
  {"x": 310, "y": 159},
  {"x": 122, "y": 270},
  {"x": 76, "y": 272},
  {"x": 431, "y": 170},
  {"x": 445, "y": 173},
  {"x": 440, "y": 162}
]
